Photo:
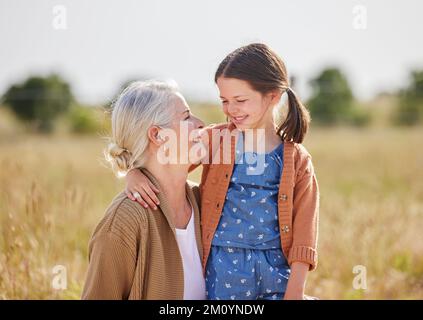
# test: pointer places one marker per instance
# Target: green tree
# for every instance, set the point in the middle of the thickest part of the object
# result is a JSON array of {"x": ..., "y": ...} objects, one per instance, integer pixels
[
  {"x": 84, "y": 120},
  {"x": 332, "y": 99},
  {"x": 39, "y": 100},
  {"x": 410, "y": 107}
]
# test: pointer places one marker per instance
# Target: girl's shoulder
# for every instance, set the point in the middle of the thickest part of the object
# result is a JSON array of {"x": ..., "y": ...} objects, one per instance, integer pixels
[
  {"x": 300, "y": 150},
  {"x": 302, "y": 159}
]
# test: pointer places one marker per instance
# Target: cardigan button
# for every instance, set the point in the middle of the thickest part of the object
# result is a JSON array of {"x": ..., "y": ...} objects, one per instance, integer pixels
[
  {"x": 284, "y": 197},
  {"x": 285, "y": 229}
]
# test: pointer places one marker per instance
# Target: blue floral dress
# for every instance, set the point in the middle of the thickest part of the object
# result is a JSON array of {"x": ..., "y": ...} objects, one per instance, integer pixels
[{"x": 246, "y": 260}]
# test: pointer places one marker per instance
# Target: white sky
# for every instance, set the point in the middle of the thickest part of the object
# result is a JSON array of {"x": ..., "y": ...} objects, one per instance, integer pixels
[{"x": 108, "y": 42}]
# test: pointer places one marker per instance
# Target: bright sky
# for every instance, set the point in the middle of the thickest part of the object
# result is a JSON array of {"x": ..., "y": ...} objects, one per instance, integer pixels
[{"x": 108, "y": 42}]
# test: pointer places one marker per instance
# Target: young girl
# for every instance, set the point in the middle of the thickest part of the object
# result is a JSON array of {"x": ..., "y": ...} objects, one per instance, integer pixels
[{"x": 259, "y": 231}]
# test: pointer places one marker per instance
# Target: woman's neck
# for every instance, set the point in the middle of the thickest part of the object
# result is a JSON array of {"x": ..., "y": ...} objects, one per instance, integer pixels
[{"x": 172, "y": 179}]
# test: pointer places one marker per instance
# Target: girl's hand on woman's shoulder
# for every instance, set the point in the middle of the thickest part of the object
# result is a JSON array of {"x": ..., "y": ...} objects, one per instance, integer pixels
[{"x": 139, "y": 188}]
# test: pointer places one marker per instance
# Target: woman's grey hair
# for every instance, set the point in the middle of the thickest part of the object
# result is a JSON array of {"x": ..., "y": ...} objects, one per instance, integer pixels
[{"x": 140, "y": 105}]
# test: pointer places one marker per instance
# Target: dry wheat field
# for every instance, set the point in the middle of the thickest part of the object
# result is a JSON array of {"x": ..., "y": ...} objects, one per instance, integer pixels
[{"x": 54, "y": 189}]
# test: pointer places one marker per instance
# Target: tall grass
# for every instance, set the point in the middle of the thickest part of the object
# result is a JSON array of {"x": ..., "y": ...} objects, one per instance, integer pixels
[{"x": 54, "y": 190}]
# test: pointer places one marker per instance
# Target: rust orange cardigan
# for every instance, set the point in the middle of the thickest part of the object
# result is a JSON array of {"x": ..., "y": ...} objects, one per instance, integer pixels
[{"x": 298, "y": 197}]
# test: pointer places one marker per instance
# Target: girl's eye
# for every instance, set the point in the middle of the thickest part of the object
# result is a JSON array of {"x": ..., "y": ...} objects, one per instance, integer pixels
[{"x": 189, "y": 116}]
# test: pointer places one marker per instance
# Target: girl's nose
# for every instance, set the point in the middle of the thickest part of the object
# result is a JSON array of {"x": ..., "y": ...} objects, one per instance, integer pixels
[{"x": 232, "y": 109}]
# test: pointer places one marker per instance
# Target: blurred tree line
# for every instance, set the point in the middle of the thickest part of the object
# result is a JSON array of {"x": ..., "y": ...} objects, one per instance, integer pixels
[
  {"x": 40, "y": 101},
  {"x": 410, "y": 107},
  {"x": 332, "y": 101}
]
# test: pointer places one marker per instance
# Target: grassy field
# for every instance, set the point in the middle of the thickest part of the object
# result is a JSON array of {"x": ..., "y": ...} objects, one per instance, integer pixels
[{"x": 53, "y": 191}]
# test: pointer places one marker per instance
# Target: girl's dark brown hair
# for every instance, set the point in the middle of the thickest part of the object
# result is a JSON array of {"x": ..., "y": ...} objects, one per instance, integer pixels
[{"x": 265, "y": 71}]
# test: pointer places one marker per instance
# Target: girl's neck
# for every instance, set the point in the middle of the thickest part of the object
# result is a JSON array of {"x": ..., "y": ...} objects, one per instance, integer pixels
[{"x": 265, "y": 137}]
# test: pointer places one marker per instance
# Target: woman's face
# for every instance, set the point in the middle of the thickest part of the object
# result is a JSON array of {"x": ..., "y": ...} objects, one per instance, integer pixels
[
  {"x": 244, "y": 106},
  {"x": 185, "y": 129}
]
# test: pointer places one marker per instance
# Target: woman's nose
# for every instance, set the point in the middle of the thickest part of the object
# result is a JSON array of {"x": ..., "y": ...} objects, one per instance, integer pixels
[{"x": 199, "y": 124}]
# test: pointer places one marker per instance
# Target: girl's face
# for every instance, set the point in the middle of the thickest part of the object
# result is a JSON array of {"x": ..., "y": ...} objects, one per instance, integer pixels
[{"x": 244, "y": 106}]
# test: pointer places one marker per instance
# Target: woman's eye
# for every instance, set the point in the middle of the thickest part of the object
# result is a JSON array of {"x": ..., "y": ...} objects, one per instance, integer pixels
[{"x": 240, "y": 101}]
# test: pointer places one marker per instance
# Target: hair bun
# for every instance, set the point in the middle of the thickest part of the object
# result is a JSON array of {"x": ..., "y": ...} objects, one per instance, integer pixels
[
  {"x": 119, "y": 157},
  {"x": 115, "y": 150}
]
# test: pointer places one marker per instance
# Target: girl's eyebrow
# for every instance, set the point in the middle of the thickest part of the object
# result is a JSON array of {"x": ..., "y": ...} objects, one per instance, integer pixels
[{"x": 241, "y": 95}]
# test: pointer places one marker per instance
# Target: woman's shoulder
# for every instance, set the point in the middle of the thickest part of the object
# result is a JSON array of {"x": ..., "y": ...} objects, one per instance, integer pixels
[{"x": 123, "y": 218}]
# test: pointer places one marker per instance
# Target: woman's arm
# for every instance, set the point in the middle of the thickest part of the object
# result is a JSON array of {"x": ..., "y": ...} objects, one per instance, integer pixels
[{"x": 111, "y": 269}]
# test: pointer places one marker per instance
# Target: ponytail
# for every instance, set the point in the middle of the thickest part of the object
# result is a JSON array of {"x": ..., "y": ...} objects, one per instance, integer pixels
[{"x": 296, "y": 124}]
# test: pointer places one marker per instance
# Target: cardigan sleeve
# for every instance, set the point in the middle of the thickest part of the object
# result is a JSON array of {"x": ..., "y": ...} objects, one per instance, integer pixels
[
  {"x": 111, "y": 269},
  {"x": 305, "y": 216}
]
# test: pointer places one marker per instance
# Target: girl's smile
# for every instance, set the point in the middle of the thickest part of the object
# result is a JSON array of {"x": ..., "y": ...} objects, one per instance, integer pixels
[{"x": 239, "y": 119}]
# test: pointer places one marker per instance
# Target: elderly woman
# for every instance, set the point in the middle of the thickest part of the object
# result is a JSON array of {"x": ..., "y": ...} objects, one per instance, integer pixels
[{"x": 136, "y": 253}]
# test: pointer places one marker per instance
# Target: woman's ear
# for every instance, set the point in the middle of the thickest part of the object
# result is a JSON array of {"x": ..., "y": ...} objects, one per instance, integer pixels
[{"x": 154, "y": 136}]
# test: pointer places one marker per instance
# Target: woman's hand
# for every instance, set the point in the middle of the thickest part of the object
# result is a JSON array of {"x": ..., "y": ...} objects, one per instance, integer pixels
[
  {"x": 136, "y": 181},
  {"x": 296, "y": 282}
]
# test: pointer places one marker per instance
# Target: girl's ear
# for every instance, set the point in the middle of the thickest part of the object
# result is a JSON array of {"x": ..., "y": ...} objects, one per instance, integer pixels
[
  {"x": 274, "y": 97},
  {"x": 154, "y": 136}
]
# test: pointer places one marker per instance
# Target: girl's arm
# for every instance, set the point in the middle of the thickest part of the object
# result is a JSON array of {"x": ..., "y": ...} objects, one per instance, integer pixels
[
  {"x": 303, "y": 254},
  {"x": 297, "y": 281},
  {"x": 136, "y": 181},
  {"x": 305, "y": 213}
]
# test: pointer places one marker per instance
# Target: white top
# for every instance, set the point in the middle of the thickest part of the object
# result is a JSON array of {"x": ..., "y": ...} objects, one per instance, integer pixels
[{"x": 194, "y": 283}]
